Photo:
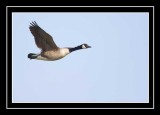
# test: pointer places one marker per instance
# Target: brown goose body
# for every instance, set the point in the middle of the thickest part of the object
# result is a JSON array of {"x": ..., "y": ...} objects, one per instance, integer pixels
[{"x": 49, "y": 50}]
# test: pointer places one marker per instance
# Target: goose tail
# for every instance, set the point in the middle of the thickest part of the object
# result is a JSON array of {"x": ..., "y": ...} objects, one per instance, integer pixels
[{"x": 32, "y": 56}]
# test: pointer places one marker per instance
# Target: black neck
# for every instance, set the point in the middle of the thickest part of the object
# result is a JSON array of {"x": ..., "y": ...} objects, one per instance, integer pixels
[{"x": 75, "y": 48}]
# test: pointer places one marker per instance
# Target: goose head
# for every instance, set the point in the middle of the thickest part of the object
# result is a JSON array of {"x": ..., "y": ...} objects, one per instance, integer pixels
[{"x": 84, "y": 46}]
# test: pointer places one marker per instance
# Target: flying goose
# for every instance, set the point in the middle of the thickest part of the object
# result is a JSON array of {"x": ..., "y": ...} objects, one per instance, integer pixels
[{"x": 49, "y": 50}]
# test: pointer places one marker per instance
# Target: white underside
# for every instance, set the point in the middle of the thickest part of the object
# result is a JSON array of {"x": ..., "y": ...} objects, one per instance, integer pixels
[{"x": 54, "y": 55}]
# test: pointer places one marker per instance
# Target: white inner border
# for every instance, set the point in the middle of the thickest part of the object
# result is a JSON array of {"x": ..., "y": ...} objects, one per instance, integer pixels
[{"x": 70, "y": 6}]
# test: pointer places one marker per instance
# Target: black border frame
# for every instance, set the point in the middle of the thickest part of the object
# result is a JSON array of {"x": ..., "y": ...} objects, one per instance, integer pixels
[{"x": 10, "y": 10}]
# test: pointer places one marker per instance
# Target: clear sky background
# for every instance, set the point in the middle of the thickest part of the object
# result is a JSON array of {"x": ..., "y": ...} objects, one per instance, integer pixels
[{"x": 114, "y": 70}]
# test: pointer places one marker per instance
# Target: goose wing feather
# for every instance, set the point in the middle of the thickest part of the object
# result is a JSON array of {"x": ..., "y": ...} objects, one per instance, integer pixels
[{"x": 43, "y": 40}]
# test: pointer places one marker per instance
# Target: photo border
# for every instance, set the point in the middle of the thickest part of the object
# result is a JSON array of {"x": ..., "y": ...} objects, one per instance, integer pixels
[{"x": 12, "y": 9}]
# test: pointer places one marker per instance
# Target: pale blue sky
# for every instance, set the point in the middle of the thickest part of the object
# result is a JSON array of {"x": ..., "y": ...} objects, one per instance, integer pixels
[{"x": 114, "y": 70}]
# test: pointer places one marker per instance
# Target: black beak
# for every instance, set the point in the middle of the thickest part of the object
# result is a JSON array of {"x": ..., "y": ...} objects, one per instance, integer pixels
[{"x": 89, "y": 47}]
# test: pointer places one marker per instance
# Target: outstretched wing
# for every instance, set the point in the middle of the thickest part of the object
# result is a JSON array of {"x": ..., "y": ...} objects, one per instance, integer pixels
[{"x": 42, "y": 39}]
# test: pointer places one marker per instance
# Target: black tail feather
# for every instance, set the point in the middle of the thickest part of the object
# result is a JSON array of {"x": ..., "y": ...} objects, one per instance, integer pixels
[{"x": 32, "y": 56}]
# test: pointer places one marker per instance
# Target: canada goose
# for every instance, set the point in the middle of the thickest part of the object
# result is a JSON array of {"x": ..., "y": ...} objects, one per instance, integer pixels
[{"x": 49, "y": 50}]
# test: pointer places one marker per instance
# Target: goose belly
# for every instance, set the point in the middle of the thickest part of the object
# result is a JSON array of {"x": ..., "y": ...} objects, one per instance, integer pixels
[{"x": 55, "y": 55}]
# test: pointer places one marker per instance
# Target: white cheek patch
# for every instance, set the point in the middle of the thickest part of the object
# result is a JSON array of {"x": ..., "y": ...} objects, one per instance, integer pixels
[{"x": 83, "y": 46}]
